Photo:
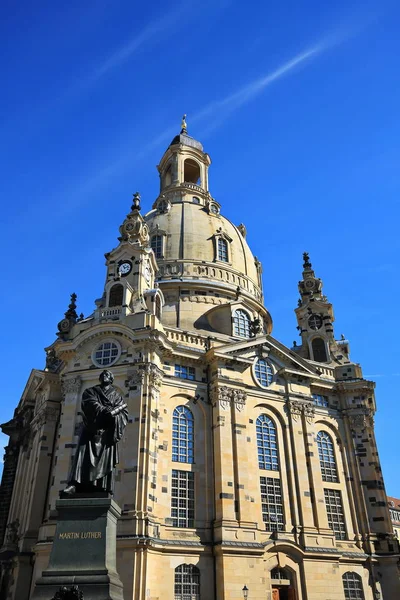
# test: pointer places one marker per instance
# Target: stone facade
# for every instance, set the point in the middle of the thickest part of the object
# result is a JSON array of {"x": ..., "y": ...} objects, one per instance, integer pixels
[{"x": 244, "y": 462}]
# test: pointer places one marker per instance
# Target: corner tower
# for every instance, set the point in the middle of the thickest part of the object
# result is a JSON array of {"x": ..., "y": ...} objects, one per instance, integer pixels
[{"x": 315, "y": 321}]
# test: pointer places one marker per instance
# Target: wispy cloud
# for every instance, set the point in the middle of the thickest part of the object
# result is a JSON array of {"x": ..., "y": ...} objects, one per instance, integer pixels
[
  {"x": 224, "y": 107},
  {"x": 214, "y": 114},
  {"x": 375, "y": 375},
  {"x": 151, "y": 32}
]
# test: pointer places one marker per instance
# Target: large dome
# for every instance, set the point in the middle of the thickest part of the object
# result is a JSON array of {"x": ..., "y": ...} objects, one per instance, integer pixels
[{"x": 190, "y": 248}]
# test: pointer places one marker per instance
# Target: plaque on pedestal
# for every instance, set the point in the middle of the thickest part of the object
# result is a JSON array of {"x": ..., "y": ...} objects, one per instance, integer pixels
[{"x": 83, "y": 553}]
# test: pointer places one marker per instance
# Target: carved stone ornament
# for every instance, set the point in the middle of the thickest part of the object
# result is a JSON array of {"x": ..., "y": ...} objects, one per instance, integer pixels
[
  {"x": 361, "y": 421},
  {"x": 239, "y": 398},
  {"x": 309, "y": 412},
  {"x": 135, "y": 379},
  {"x": 71, "y": 385},
  {"x": 12, "y": 536},
  {"x": 134, "y": 229},
  {"x": 48, "y": 413},
  {"x": 68, "y": 593},
  {"x": 297, "y": 407},
  {"x": 153, "y": 373},
  {"x": 224, "y": 395}
]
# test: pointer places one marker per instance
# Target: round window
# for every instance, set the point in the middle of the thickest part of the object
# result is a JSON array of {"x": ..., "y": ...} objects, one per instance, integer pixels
[
  {"x": 263, "y": 372},
  {"x": 106, "y": 353},
  {"x": 315, "y": 322},
  {"x": 214, "y": 209}
]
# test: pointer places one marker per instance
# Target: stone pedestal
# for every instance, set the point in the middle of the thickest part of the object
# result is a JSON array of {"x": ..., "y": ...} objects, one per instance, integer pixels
[{"x": 84, "y": 550}]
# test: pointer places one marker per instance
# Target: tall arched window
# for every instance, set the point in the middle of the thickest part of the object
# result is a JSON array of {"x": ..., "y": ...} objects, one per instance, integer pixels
[
  {"x": 187, "y": 583},
  {"x": 116, "y": 295},
  {"x": 241, "y": 324},
  {"x": 319, "y": 350},
  {"x": 222, "y": 249},
  {"x": 182, "y": 435},
  {"x": 157, "y": 245},
  {"x": 267, "y": 444},
  {"x": 327, "y": 459},
  {"x": 352, "y": 586}
]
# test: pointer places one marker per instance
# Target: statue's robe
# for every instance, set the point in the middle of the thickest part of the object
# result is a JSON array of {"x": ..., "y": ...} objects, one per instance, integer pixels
[{"x": 97, "y": 452}]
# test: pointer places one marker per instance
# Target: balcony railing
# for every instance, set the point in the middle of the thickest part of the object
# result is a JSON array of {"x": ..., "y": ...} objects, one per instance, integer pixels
[
  {"x": 192, "y": 186},
  {"x": 115, "y": 311}
]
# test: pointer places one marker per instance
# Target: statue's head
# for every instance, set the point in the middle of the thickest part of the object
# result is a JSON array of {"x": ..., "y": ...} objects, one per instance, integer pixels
[{"x": 106, "y": 377}]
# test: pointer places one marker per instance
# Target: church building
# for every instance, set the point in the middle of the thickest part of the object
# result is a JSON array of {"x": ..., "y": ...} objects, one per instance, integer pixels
[{"x": 248, "y": 469}]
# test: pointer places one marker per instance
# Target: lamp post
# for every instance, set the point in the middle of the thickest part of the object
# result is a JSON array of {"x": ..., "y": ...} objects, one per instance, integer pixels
[{"x": 245, "y": 592}]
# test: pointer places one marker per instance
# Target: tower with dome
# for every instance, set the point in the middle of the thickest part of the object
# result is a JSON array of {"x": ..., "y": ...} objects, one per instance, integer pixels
[{"x": 247, "y": 466}]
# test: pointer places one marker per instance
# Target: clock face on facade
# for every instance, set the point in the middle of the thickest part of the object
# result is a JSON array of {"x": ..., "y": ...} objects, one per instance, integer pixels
[
  {"x": 310, "y": 283},
  {"x": 315, "y": 322},
  {"x": 124, "y": 268}
]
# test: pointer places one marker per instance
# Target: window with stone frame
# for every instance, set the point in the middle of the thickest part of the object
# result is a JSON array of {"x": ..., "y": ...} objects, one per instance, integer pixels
[
  {"x": 267, "y": 444},
  {"x": 184, "y": 372},
  {"x": 319, "y": 350},
  {"x": 182, "y": 498},
  {"x": 352, "y": 586},
  {"x": 182, "y": 435},
  {"x": 327, "y": 460},
  {"x": 157, "y": 244},
  {"x": 320, "y": 400},
  {"x": 272, "y": 503},
  {"x": 106, "y": 353},
  {"x": 116, "y": 297},
  {"x": 222, "y": 250},
  {"x": 241, "y": 323},
  {"x": 334, "y": 510},
  {"x": 263, "y": 372},
  {"x": 187, "y": 582}
]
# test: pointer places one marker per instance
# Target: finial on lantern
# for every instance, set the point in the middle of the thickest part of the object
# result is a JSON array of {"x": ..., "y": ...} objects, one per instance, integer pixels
[
  {"x": 184, "y": 124},
  {"x": 136, "y": 201}
]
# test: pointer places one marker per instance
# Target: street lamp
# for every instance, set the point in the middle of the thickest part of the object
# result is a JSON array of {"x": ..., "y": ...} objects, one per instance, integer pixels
[{"x": 245, "y": 592}]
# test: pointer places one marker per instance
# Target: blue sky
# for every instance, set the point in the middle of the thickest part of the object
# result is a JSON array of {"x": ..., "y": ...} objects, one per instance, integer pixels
[{"x": 297, "y": 104}]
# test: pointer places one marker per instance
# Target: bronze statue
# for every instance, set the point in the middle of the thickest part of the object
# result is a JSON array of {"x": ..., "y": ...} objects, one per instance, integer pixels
[{"x": 105, "y": 416}]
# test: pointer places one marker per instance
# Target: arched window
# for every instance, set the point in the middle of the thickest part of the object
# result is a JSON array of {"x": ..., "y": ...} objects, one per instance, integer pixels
[
  {"x": 241, "y": 324},
  {"x": 157, "y": 245},
  {"x": 327, "y": 457},
  {"x": 267, "y": 444},
  {"x": 116, "y": 295},
  {"x": 222, "y": 249},
  {"x": 352, "y": 586},
  {"x": 187, "y": 583},
  {"x": 319, "y": 350},
  {"x": 182, "y": 435},
  {"x": 191, "y": 171}
]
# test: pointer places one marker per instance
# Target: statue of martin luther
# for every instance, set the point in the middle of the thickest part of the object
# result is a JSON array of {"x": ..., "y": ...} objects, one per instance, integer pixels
[{"x": 105, "y": 416}]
